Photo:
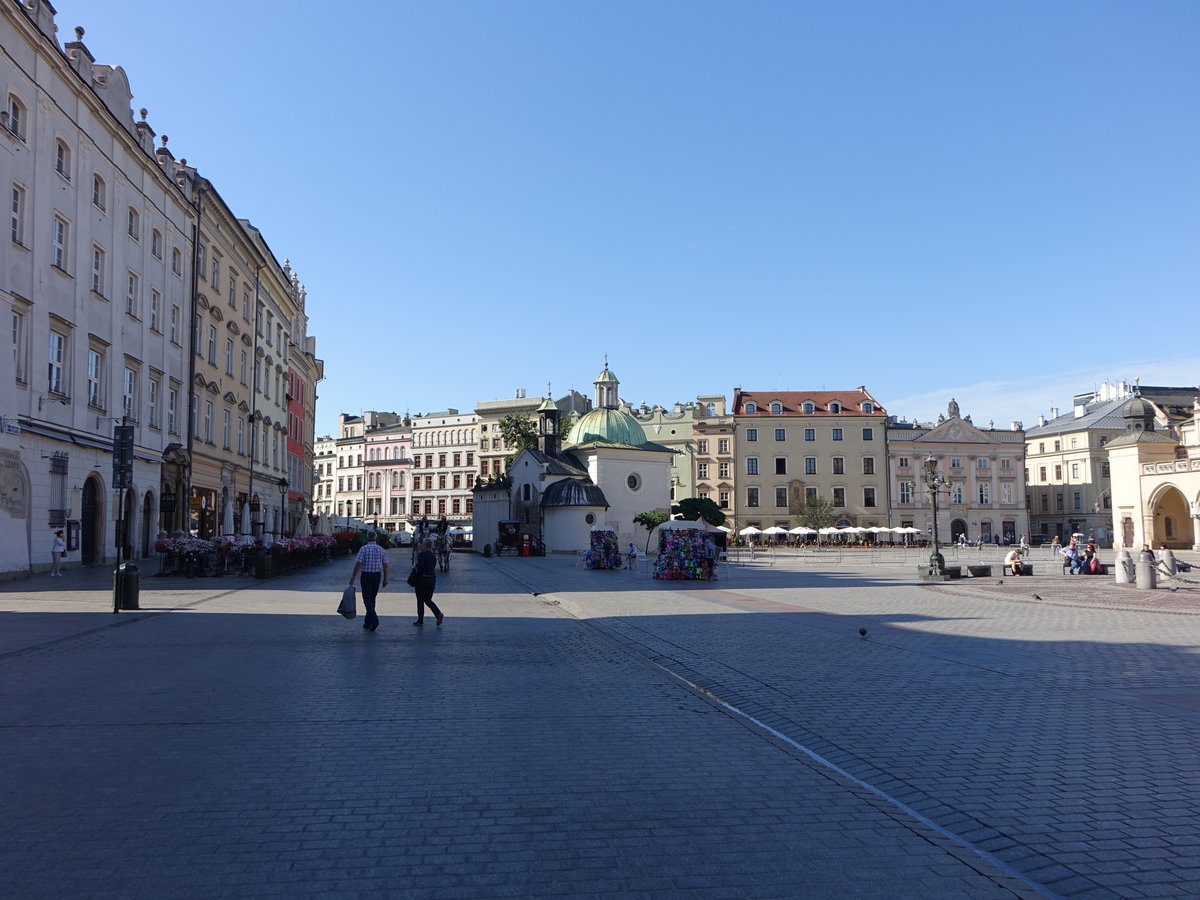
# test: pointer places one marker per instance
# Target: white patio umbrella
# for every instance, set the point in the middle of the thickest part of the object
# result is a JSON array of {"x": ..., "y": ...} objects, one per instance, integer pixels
[
  {"x": 801, "y": 529},
  {"x": 775, "y": 529},
  {"x": 246, "y": 527},
  {"x": 457, "y": 530},
  {"x": 750, "y": 529},
  {"x": 227, "y": 519},
  {"x": 304, "y": 528},
  {"x": 829, "y": 530}
]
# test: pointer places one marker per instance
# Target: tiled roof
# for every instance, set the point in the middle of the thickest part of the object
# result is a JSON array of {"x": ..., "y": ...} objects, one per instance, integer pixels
[{"x": 793, "y": 402}]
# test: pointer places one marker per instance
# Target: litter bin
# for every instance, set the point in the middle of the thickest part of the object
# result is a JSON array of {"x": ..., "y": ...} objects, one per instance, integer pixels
[
  {"x": 126, "y": 587},
  {"x": 262, "y": 565},
  {"x": 525, "y": 547}
]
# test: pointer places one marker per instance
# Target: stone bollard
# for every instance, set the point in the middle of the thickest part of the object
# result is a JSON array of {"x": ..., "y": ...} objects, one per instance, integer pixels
[
  {"x": 1146, "y": 577},
  {"x": 1125, "y": 571},
  {"x": 1168, "y": 560}
]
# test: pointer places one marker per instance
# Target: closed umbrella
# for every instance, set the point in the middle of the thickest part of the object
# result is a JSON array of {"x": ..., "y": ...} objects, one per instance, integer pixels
[
  {"x": 227, "y": 519},
  {"x": 246, "y": 520},
  {"x": 304, "y": 529}
]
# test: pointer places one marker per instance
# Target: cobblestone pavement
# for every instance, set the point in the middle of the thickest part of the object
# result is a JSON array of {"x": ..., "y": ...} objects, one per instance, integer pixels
[{"x": 576, "y": 733}]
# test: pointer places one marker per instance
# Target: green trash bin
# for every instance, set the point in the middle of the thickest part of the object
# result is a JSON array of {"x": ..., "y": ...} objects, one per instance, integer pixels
[{"x": 126, "y": 586}]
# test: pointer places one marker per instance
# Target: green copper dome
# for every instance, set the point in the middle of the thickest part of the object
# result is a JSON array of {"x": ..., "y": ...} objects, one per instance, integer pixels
[
  {"x": 607, "y": 425},
  {"x": 605, "y": 376}
]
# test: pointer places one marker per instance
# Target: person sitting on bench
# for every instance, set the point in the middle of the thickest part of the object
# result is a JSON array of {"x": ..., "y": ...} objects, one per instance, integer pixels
[{"x": 1013, "y": 561}]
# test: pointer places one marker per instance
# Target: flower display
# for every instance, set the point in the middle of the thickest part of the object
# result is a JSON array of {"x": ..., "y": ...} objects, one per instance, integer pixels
[
  {"x": 604, "y": 553},
  {"x": 681, "y": 556}
]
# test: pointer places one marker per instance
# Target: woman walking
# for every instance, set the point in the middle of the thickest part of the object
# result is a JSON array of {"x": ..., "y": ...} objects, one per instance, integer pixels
[{"x": 425, "y": 571}]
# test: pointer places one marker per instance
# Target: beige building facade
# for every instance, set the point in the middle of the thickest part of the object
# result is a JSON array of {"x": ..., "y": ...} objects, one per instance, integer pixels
[
  {"x": 714, "y": 460},
  {"x": 445, "y": 447}
]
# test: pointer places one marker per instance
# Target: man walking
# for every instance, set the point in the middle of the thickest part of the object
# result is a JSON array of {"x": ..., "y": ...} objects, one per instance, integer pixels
[{"x": 372, "y": 563}]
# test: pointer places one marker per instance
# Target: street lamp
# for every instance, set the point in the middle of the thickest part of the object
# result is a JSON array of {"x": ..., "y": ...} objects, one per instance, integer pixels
[
  {"x": 934, "y": 483},
  {"x": 283, "y": 486}
]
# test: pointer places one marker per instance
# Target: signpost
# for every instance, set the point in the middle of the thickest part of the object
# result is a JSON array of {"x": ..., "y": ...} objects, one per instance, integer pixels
[{"x": 122, "y": 480}]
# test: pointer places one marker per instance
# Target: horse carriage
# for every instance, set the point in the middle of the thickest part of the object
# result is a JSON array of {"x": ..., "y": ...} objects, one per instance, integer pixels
[{"x": 439, "y": 535}]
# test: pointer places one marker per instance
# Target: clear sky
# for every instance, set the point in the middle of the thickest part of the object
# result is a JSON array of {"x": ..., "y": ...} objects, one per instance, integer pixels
[{"x": 996, "y": 201}]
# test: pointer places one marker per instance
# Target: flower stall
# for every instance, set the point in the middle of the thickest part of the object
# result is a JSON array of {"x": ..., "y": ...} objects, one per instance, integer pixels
[
  {"x": 680, "y": 555},
  {"x": 604, "y": 552}
]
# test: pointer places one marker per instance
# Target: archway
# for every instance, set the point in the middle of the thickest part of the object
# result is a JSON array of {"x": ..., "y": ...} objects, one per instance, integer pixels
[
  {"x": 1172, "y": 521},
  {"x": 91, "y": 518},
  {"x": 958, "y": 527},
  {"x": 147, "y": 523}
]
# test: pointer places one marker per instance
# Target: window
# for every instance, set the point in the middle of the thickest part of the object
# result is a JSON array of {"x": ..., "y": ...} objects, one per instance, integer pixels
[
  {"x": 702, "y": 446},
  {"x": 153, "y": 391},
  {"x": 835, "y": 407},
  {"x": 1006, "y": 492},
  {"x": 776, "y": 408},
  {"x": 868, "y": 496},
  {"x": 868, "y": 433},
  {"x": 57, "y": 359},
  {"x": 62, "y": 159},
  {"x": 226, "y": 429},
  {"x": 780, "y": 465},
  {"x": 232, "y": 289},
  {"x": 781, "y": 498},
  {"x": 981, "y": 463},
  {"x": 1104, "y": 470},
  {"x": 956, "y": 462},
  {"x": 839, "y": 496},
  {"x": 723, "y": 470},
  {"x": 134, "y": 224},
  {"x": 751, "y": 465},
  {"x": 133, "y": 295},
  {"x": 780, "y": 434},
  {"x": 1006, "y": 463},
  {"x": 245, "y": 361},
  {"x": 18, "y": 343},
  {"x": 1077, "y": 500},
  {"x": 18, "y": 214},
  {"x": 98, "y": 270},
  {"x": 172, "y": 410},
  {"x": 156, "y": 243},
  {"x": 723, "y": 445},
  {"x": 176, "y": 261},
  {"x": 752, "y": 496},
  {"x": 1058, "y": 473},
  {"x": 810, "y": 408},
  {"x": 95, "y": 370},
  {"x": 810, "y": 465},
  {"x": 956, "y": 493},
  {"x": 702, "y": 471},
  {"x": 867, "y": 407},
  {"x": 723, "y": 502},
  {"x": 710, "y": 409},
  {"x": 1057, "y": 446},
  {"x": 16, "y": 117},
  {"x": 868, "y": 465},
  {"x": 129, "y": 393},
  {"x": 1041, "y": 473},
  {"x": 839, "y": 465},
  {"x": 751, "y": 408},
  {"x": 216, "y": 272},
  {"x": 62, "y": 234},
  {"x": 810, "y": 492},
  {"x": 1058, "y": 502},
  {"x": 155, "y": 309},
  {"x": 208, "y": 421},
  {"x": 810, "y": 434},
  {"x": 837, "y": 434},
  {"x": 175, "y": 320},
  {"x": 751, "y": 434},
  {"x": 985, "y": 492},
  {"x": 906, "y": 492},
  {"x": 1074, "y": 470},
  {"x": 1074, "y": 442},
  {"x": 229, "y": 357},
  {"x": 246, "y": 304},
  {"x": 1045, "y": 503},
  {"x": 212, "y": 345}
]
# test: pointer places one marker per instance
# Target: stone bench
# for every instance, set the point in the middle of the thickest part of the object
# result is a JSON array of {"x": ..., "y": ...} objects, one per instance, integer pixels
[{"x": 980, "y": 571}]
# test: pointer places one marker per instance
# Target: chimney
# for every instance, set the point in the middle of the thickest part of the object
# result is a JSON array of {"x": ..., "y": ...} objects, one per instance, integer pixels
[
  {"x": 1054, "y": 412},
  {"x": 1041, "y": 421}
]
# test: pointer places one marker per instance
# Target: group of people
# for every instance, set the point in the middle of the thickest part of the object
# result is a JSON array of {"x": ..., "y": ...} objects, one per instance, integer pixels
[
  {"x": 371, "y": 570},
  {"x": 1079, "y": 561}
]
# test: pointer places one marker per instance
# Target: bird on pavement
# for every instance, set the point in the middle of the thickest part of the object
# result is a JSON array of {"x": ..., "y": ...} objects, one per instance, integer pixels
[
  {"x": 1172, "y": 588},
  {"x": 1001, "y": 581},
  {"x": 1036, "y": 597},
  {"x": 862, "y": 633}
]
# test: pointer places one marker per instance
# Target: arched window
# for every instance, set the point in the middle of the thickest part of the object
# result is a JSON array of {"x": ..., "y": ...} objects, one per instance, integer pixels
[
  {"x": 99, "y": 193},
  {"x": 135, "y": 224},
  {"x": 62, "y": 159},
  {"x": 176, "y": 261},
  {"x": 868, "y": 406},
  {"x": 156, "y": 244},
  {"x": 751, "y": 408},
  {"x": 776, "y": 408},
  {"x": 710, "y": 409},
  {"x": 16, "y": 117},
  {"x": 835, "y": 407}
]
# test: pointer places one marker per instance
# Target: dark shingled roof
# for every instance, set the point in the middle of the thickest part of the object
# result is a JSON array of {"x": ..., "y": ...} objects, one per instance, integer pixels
[{"x": 573, "y": 492}]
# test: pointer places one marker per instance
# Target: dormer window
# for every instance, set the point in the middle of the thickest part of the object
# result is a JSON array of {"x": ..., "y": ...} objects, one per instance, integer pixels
[
  {"x": 751, "y": 408},
  {"x": 710, "y": 409},
  {"x": 776, "y": 408},
  {"x": 868, "y": 406},
  {"x": 835, "y": 407},
  {"x": 810, "y": 408}
]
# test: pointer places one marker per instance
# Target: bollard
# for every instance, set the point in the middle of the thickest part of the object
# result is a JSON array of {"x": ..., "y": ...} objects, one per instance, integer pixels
[
  {"x": 1168, "y": 560},
  {"x": 1146, "y": 579},
  {"x": 1125, "y": 571},
  {"x": 126, "y": 587}
]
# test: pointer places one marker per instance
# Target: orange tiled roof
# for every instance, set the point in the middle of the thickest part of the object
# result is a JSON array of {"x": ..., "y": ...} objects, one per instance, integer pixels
[{"x": 793, "y": 402}]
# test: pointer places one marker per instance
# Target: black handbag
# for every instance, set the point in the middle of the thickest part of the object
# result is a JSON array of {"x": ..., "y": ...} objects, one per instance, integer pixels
[
  {"x": 349, "y": 605},
  {"x": 413, "y": 577}
]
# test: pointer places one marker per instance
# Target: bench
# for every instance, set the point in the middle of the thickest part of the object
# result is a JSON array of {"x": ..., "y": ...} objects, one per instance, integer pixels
[
  {"x": 980, "y": 571},
  {"x": 1104, "y": 567}
]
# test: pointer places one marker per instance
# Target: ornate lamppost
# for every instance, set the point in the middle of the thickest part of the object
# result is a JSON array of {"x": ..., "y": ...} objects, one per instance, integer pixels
[
  {"x": 283, "y": 486},
  {"x": 935, "y": 483}
]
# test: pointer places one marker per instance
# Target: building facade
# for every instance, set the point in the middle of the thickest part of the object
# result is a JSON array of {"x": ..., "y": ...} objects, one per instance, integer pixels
[
  {"x": 388, "y": 466},
  {"x": 794, "y": 444},
  {"x": 714, "y": 461},
  {"x": 445, "y": 465},
  {"x": 985, "y": 468},
  {"x": 673, "y": 428}
]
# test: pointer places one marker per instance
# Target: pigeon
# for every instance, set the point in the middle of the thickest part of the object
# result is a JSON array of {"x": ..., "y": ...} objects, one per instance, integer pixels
[
  {"x": 1036, "y": 597},
  {"x": 1001, "y": 581},
  {"x": 1172, "y": 588},
  {"x": 862, "y": 633}
]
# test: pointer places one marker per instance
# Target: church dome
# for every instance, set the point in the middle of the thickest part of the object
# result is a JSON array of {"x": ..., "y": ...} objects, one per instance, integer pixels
[
  {"x": 573, "y": 492},
  {"x": 607, "y": 424}
]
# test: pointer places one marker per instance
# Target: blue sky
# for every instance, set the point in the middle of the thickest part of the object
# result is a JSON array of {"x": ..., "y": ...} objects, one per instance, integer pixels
[{"x": 994, "y": 201}]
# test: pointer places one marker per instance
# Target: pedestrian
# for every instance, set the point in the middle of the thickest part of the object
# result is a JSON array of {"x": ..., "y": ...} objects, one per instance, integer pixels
[
  {"x": 1013, "y": 561},
  {"x": 372, "y": 563},
  {"x": 631, "y": 556},
  {"x": 710, "y": 558},
  {"x": 425, "y": 570},
  {"x": 1056, "y": 546},
  {"x": 1024, "y": 543},
  {"x": 1073, "y": 558},
  {"x": 57, "y": 548}
]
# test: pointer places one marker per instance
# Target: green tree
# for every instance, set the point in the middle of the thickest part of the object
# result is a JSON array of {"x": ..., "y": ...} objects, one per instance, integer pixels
[
  {"x": 696, "y": 508},
  {"x": 816, "y": 512},
  {"x": 519, "y": 432},
  {"x": 650, "y": 520}
]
